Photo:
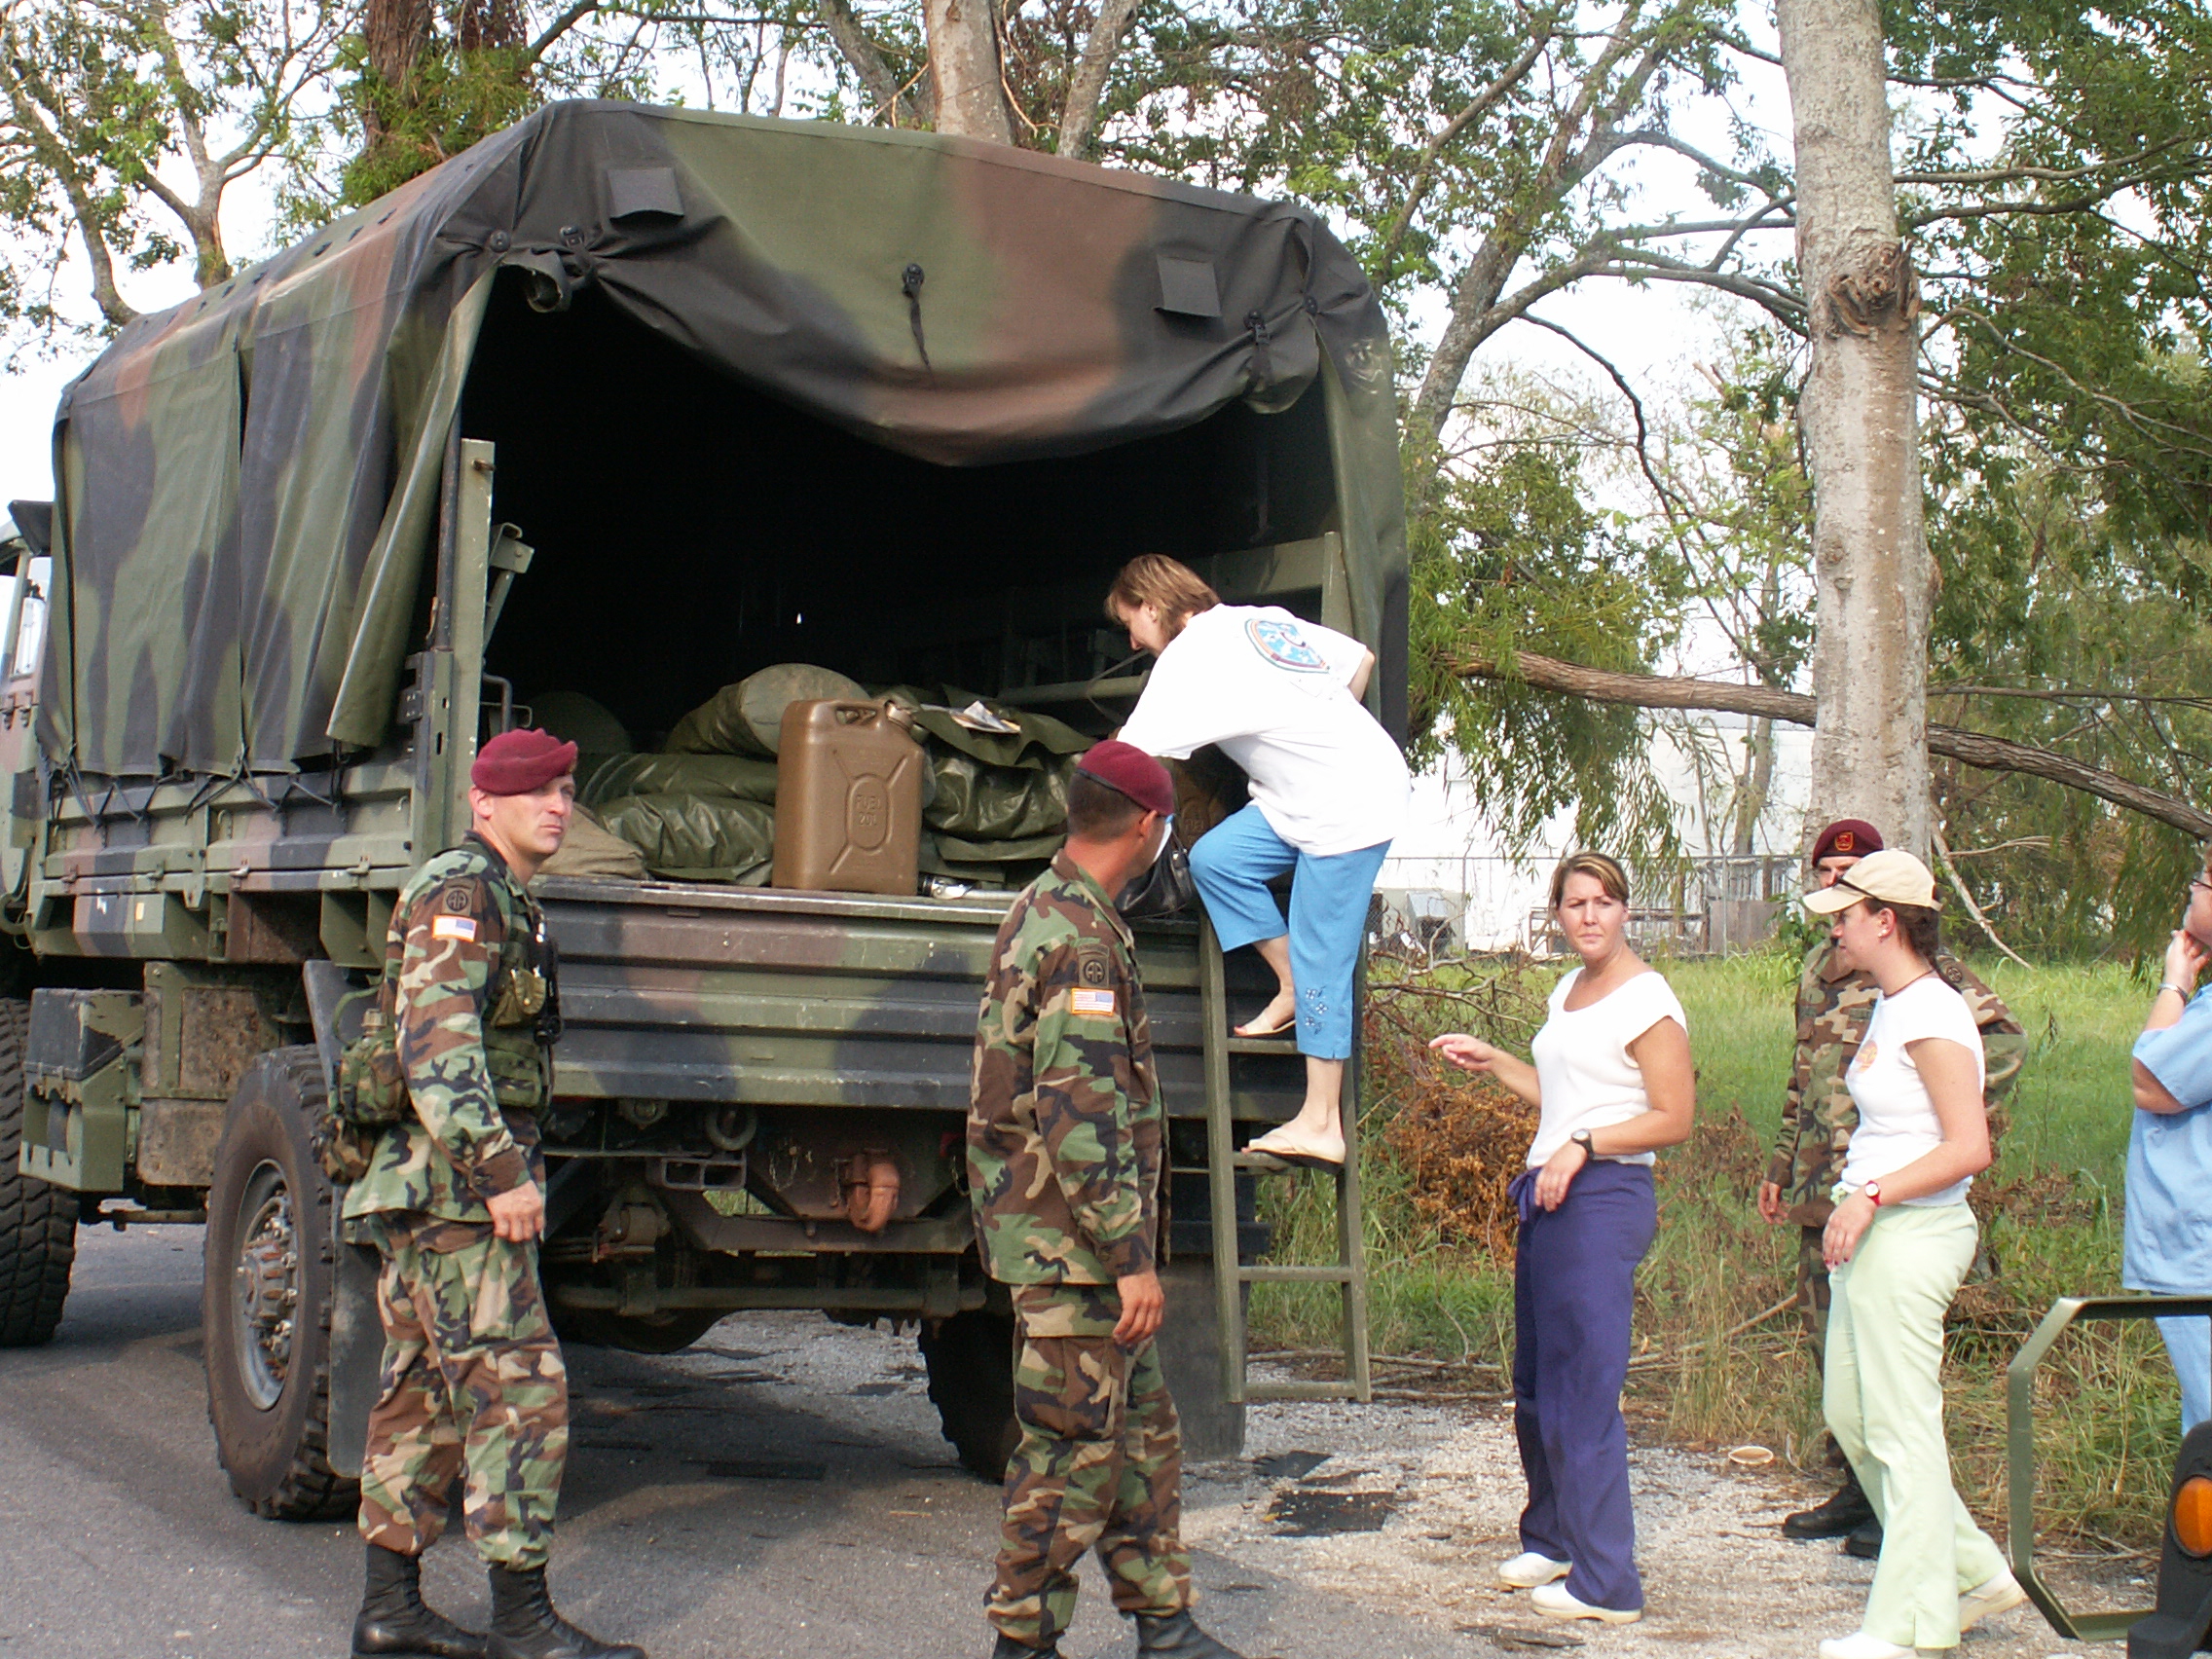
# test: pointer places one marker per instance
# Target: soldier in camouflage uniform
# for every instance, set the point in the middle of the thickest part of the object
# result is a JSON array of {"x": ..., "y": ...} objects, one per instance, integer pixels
[
  {"x": 473, "y": 1385},
  {"x": 1067, "y": 1166},
  {"x": 1833, "y": 1005}
]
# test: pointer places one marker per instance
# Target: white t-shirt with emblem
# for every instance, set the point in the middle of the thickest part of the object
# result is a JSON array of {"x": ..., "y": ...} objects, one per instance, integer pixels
[
  {"x": 1897, "y": 1119},
  {"x": 1273, "y": 691}
]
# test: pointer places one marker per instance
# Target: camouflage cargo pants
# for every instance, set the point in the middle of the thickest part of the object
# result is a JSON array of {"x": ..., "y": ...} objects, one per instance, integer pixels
[
  {"x": 472, "y": 1386},
  {"x": 1813, "y": 1290},
  {"x": 1100, "y": 1466}
]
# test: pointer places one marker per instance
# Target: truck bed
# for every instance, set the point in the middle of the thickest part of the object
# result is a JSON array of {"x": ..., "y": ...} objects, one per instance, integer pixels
[{"x": 688, "y": 992}]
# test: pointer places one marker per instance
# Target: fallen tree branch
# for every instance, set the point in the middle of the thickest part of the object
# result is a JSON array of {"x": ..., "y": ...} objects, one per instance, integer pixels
[
  {"x": 1668, "y": 1356},
  {"x": 1959, "y": 886},
  {"x": 1972, "y": 748}
]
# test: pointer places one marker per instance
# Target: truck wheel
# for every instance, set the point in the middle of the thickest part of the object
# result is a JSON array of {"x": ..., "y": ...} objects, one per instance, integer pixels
[
  {"x": 264, "y": 1297},
  {"x": 38, "y": 1223},
  {"x": 971, "y": 1363}
]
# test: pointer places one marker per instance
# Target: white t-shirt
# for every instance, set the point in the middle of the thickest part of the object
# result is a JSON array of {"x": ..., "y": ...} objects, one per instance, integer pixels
[
  {"x": 1586, "y": 1075},
  {"x": 1274, "y": 692},
  {"x": 1896, "y": 1121}
]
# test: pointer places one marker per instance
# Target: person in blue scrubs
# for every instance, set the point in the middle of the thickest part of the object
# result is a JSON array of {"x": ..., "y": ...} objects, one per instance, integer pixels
[{"x": 2168, "y": 1237}]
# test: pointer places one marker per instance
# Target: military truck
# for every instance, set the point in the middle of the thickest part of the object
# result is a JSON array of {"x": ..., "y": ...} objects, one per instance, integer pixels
[{"x": 623, "y": 403}]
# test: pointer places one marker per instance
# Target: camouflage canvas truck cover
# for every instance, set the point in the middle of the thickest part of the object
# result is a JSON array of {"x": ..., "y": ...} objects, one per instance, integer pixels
[{"x": 616, "y": 409}]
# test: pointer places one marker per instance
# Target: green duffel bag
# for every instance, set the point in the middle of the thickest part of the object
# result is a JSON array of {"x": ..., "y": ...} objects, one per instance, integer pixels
[
  {"x": 956, "y": 850},
  {"x": 981, "y": 803},
  {"x": 747, "y": 718},
  {"x": 1037, "y": 741},
  {"x": 697, "y": 838},
  {"x": 741, "y": 776},
  {"x": 580, "y": 720},
  {"x": 592, "y": 852}
]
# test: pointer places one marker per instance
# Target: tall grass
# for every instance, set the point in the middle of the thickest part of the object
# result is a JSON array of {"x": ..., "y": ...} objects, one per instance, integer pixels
[{"x": 1708, "y": 1369}]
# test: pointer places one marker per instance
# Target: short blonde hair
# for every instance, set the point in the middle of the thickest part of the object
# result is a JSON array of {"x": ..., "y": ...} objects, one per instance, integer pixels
[
  {"x": 1610, "y": 876},
  {"x": 1153, "y": 578}
]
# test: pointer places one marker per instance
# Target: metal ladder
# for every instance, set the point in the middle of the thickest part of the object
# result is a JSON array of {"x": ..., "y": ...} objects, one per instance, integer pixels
[{"x": 1231, "y": 1272}]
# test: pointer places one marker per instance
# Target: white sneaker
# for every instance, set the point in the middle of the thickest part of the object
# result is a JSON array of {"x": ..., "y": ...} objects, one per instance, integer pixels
[
  {"x": 1999, "y": 1593},
  {"x": 1858, "y": 1645},
  {"x": 1556, "y": 1602},
  {"x": 1528, "y": 1569}
]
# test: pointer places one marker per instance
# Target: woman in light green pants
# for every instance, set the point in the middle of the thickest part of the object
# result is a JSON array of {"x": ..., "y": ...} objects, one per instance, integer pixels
[{"x": 1898, "y": 1247}]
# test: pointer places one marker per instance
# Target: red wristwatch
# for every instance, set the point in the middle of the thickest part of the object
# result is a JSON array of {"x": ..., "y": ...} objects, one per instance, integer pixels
[{"x": 1873, "y": 1192}]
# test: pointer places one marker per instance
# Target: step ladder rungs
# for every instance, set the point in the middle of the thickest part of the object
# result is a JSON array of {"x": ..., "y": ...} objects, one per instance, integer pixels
[
  {"x": 1269, "y": 1272},
  {"x": 1224, "y": 1163}
]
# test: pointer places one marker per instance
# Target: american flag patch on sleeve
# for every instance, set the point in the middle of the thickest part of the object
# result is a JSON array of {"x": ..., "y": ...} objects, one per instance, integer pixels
[
  {"x": 1092, "y": 1002},
  {"x": 462, "y": 928}
]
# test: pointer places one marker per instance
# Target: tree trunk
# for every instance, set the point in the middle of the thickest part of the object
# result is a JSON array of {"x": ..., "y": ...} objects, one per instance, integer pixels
[
  {"x": 396, "y": 33},
  {"x": 1079, "y": 117},
  {"x": 1755, "y": 785},
  {"x": 1972, "y": 748},
  {"x": 964, "y": 65},
  {"x": 1873, "y": 575},
  {"x": 886, "y": 100}
]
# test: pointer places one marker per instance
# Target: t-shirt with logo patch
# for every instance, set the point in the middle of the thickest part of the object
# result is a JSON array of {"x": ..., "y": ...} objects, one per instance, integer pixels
[
  {"x": 1274, "y": 690},
  {"x": 1896, "y": 1119}
]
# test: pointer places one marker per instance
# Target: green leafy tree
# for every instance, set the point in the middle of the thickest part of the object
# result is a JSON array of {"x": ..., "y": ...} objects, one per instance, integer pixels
[{"x": 125, "y": 123}]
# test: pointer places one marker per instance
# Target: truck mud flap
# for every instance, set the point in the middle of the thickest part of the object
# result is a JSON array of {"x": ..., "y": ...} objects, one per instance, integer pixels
[{"x": 357, "y": 1353}]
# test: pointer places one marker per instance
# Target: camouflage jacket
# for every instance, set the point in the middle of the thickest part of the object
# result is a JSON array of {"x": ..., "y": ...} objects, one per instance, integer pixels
[
  {"x": 1834, "y": 1006},
  {"x": 468, "y": 976},
  {"x": 1066, "y": 1138}
]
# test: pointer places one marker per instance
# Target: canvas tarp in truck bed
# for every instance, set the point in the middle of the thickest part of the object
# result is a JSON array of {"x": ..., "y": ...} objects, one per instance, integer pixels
[{"x": 247, "y": 485}]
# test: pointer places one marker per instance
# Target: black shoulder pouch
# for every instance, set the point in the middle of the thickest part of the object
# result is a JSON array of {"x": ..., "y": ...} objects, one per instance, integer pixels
[{"x": 1165, "y": 890}]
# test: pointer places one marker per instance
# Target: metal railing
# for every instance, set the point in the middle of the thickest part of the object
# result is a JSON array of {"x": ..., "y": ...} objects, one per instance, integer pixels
[{"x": 2020, "y": 1447}]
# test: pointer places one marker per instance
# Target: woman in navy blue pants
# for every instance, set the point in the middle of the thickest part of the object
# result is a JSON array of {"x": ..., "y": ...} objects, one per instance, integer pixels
[{"x": 1611, "y": 1076}]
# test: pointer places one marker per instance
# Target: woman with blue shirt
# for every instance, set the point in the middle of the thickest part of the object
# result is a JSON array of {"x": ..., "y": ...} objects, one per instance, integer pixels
[{"x": 2168, "y": 1237}]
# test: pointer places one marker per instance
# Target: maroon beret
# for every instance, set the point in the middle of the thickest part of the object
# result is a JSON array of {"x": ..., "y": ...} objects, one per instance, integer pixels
[
  {"x": 1847, "y": 839},
  {"x": 516, "y": 762},
  {"x": 1119, "y": 765}
]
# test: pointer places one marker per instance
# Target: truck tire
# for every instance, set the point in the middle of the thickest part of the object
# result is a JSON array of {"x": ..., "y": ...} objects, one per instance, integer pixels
[
  {"x": 38, "y": 1223},
  {"x": 266, "y": 1294},
  {"x": 971, "y": 1364},
  {"x": 670, "y": 1332}
]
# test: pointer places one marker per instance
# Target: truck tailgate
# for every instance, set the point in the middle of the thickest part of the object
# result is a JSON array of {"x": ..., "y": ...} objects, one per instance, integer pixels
[{"x": 676, "y": 991}]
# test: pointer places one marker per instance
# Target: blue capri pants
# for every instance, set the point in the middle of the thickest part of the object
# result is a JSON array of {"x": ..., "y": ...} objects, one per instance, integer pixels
[{"x": 1232, "y": 864}]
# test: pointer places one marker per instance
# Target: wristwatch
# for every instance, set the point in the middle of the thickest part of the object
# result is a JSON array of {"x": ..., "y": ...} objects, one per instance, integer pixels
[
  {"x": 1873, "y": 1192},
  {"x": 1581, "y": 1138}
]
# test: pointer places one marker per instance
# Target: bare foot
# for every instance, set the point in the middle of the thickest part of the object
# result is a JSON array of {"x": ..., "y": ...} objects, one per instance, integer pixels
[{"x": 1278, "y": 1016}]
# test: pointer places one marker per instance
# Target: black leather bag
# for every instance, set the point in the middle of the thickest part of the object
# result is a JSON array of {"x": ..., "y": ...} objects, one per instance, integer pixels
[{"x": 1165, "y": 890}]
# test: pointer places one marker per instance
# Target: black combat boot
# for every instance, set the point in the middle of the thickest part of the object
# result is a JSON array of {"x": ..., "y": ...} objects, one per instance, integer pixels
[
  {"x": 393, "y": 1623},
  {"x": 1006, "y": 1648},
  {"x": 1844, "y": 1513},
  {"x": 525, "y": 1626},
  {"x": 1177, "y": 1636},
  {"x": 1865, "y": 1541}
]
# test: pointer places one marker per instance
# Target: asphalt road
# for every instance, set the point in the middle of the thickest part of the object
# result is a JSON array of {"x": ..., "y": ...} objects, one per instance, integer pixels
[{"x": 779, "y": 1490}]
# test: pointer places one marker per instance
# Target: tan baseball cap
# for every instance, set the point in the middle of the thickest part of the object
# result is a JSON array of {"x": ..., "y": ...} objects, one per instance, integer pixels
[{"x": 1891, "y": 876}]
